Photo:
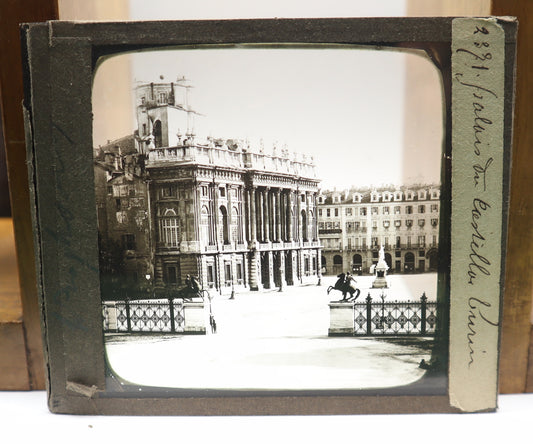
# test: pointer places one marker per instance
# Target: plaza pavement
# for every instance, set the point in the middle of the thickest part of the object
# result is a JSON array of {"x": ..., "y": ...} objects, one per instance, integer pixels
[{"x": 277, "y": 340}]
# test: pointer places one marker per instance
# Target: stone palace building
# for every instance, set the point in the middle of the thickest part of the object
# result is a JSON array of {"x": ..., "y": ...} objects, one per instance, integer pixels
[
  {"x": 354, "y": 224},
  {"x": 170, "y": 204}
]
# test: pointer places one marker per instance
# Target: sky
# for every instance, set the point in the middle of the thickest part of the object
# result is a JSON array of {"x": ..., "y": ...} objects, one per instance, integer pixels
[{"x": 343, "y": 106}]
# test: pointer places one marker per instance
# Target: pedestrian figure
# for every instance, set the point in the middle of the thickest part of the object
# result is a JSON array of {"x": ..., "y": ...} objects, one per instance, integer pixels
[{"x": 213, "y": 324}]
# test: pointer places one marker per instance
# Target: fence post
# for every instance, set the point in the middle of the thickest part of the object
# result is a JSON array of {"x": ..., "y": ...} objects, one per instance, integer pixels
[
  {"x": 171, "y": 311},
  {"x": 128, "y": 314},
  {"x": 423, "y": 307},
  {"x": 368, "y": 315}
]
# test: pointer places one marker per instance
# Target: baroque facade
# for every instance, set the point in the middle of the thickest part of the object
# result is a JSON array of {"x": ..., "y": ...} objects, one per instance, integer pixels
[
  {"x": 170, "y": 205},
  {"x": 354, "y": 224}
]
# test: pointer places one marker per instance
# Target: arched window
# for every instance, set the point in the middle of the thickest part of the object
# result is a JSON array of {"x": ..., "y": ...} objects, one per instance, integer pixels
[
  {"x": 312, "y": 225},
  {"x": 235, "y": 226},
  {"x": 169, "y": 229},
  {"x": 409, "y": 262},
  {"x": 205, "y": 226},
  {"x": 158, "y": 134},
  {"x": 357, "y": 260},
  {"x": 223, "y": 235}
]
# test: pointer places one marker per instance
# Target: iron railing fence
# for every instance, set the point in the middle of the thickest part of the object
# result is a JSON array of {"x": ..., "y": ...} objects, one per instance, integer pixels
[
  {"x": 381, "y": 318},
  {"x": 162, "y": 316}
]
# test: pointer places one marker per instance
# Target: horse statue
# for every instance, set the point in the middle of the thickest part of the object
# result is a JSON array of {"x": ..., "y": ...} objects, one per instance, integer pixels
[
  {"x": 346, "y": 285},
  {"x": 191, "y": 290}
]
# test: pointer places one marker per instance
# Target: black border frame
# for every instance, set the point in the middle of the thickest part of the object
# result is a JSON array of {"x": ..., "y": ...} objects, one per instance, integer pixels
[{"x": 60, "y": 60}]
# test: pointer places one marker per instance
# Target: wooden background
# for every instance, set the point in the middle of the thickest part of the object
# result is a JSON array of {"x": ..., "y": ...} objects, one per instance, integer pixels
[{"x": 21, "y": 356}]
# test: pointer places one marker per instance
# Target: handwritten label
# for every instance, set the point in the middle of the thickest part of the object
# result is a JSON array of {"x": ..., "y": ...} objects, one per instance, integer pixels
[{"x": 477, "y": 169}]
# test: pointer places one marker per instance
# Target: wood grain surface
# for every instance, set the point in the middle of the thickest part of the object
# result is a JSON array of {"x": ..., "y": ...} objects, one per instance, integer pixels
[
  {"x": 515, "y": 343},
  {"x": 13, "y": 12}
]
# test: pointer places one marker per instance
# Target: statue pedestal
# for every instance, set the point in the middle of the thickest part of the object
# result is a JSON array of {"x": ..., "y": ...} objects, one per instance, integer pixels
[
  {"x": 195, "y": 318},
  {"x": 341, "y": 319},
  {"x": 380, "y": 281}
]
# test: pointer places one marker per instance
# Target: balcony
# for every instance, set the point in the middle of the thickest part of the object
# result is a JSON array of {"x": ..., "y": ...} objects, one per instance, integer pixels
[
  {"x": 239, "y": 157},
  {"x": 330, "y": 231}
]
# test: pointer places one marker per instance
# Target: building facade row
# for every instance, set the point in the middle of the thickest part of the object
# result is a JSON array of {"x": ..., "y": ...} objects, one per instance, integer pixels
[{"x": 354, "y": 224}]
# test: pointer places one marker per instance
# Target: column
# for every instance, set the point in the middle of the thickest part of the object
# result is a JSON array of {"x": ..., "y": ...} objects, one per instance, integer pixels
[
  {"x": 253, "y": 267},
  {"x": 247, "y": 215},
  {"x": 270, "y": 269},
  {"x": 253, "y": 216},
  {"x": 260, "y": 219},
  {"x": 278, "y": 215},
  {"x": 289, "y": 219},
  {"x": 230, "y": 218},
  {"x": 319, "y": 266},
  {"x": 283, "y": 216},
  {"x": 307, "y": 214},
  {"x": 298, "y": 211},
  {"x": 273, "y": 216},
  {"x": 266, "y": 220},
  {"x": 315, "y": 221}
]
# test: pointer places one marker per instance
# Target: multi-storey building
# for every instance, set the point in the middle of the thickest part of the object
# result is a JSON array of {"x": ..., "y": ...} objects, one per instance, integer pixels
[
  {"x": 174, "y": 205},
  {"x": 354, "y": 224}
]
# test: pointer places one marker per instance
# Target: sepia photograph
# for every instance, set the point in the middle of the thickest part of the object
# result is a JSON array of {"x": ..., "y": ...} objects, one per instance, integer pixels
[{"x": 269, "y": 218}]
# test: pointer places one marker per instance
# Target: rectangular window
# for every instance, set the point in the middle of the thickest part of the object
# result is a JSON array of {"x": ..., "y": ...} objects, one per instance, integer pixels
[
  {"x": 397, "y": 210},
  {"x": 328, "y": 212},
  {"x": 374, "y": 210},
  {"x": 363, "y": 211},
  {"x": 421, "y": 241},
  {"x": 222, "y": 192},
  {"x": 434, "y": 208},
  {"x": 374, "y": 242},
  {"x": 336, "y": 212},
  {"x": 128, "y": 242},
  {"x": 211, "y": 275},
  {"x": 348, "y": 211},
  {"x": 385, "y": 210},
  {"x": 227, "y": 273},
  {"x": 320, "y": 211},
  {"x": 168, "y": 191},
  {"x": 408, "y": 209},
  {"x": 421, "y": 208},
  {"x": 204, "y": 191},
  {"x": 398, "y": 241},
  {"x": 172, "y": 275}
]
